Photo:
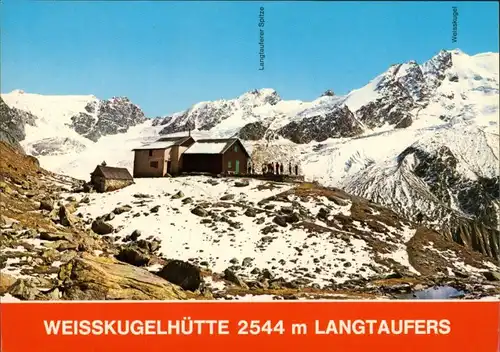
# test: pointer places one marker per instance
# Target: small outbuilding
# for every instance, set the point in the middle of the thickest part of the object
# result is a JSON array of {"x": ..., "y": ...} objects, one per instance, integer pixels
[{"x": 107, "y": 178}]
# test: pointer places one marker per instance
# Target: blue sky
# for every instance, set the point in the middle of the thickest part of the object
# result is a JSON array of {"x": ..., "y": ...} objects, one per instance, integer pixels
[{"x": 165, "y": 56}]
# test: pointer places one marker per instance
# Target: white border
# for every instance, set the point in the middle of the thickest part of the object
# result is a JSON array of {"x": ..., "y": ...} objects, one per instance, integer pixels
[{"x": 367, "y": 301}]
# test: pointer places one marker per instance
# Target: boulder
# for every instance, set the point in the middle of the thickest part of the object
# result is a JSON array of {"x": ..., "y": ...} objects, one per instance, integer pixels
[
  {"x": 134, "y": 236},
  {"x": 492, "y": 275},
  {"x": 323, "y": 214},
  {"x": 6, "y": 281},
  {"x": 65, "y": 217},
  {"x": 230, "y": 276},
  {"x": 5, "y": 221},
  {"x": 102, "y": 228},
  {"x": 178, "y": 195},
  {"x": 155, "y": 209},
  {"x": 242, "y": 183},
  {"x": 187, "y": 200},
  {"x": 184, "y": 274},
  {"x": 142, "y": 196},
  {"x": 25, "y": 289},
  {"x": 47, "y": 236},
  {"x": 98, "y": 278},
  {"x": 47, "y": 204},
  {"x": 88, "y": 187},
  {"x": 250, "y": 212},
  {"x": 85, "y": 200},
  {"x": 122, "y": 209},
  {"x": 292, "y": 218},
  {"x": 227, "y": 197},
  {"x": 199, "y": 211},
  {"x": 133, "y": 256},
  {"x": 247, "y": 261},
  {"x": 266, "y": 274},
  {"x": 280, "y": 220}
]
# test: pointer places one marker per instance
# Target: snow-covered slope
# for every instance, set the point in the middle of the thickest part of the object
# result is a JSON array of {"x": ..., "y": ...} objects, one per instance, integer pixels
[
  {"x": 421, "y": 138},
  {"x": 53, "y": 114},
  {"x": 63, "y": 124},
  {"x": 305, "y": 235}
]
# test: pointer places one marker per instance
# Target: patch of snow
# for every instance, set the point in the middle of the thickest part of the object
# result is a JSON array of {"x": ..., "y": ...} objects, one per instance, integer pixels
[
  {"x": 8, "y": 298},
  {"x": 206, "y": 148}
]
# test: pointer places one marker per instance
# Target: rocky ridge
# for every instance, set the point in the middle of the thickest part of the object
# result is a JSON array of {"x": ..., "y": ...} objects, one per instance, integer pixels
[
  {"x": 12, "y": 122},
  {"x": 107, "y": 117},
  {"x": 402, "y": 91}
]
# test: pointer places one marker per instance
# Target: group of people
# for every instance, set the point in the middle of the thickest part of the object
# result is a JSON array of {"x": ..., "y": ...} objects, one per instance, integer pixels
[{"x": 279, "y": 169}]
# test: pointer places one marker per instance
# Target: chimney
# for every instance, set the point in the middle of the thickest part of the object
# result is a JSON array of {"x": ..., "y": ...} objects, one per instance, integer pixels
[{"x": 189, "y": 132}]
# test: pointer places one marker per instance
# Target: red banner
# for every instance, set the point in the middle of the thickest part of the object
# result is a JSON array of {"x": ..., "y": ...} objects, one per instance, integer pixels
[{"x": 233, "y": 326}]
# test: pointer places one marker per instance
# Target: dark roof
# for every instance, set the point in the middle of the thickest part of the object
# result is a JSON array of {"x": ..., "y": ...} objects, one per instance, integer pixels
[
  {"x": 229, "y": 142},
  {"x": 112, "y": 173}
]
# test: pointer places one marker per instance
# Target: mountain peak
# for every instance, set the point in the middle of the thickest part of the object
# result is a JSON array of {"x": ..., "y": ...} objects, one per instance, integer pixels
[
  {"x": 456, "y": 52},
  {"x": 120, "y": 99},
  {"x": 17, "y": 91},
  {"x": 265, "y": 95},
  {"x": 263, "y": 91},
  {"x": 328, "y": 93}
]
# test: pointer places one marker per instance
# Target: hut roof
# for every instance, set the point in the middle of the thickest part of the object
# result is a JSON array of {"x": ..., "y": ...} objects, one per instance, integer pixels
[
  {"x": 164, "y": 143},
  {"x": 214, "y": 146},
  {"x": 112, "y": 173}
]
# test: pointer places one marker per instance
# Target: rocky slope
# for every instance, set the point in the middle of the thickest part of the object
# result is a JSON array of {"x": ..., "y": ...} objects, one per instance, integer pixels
[
  {"x": 12, "y": 122},
  {"x": 231, "y": 239},
  {"x": 105, "y": 117},
  {"x": 47, "y": 252},
  {"x": 443, "y": 186}
]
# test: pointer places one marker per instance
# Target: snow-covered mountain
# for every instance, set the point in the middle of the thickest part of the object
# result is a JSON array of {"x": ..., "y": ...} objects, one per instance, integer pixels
[
  {"x": 58, "y": 124},
  {"x": 421, "y": 138}
]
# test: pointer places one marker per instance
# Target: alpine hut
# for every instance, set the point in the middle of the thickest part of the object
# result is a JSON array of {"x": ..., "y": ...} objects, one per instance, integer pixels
[{"x": 107, "y": 178}]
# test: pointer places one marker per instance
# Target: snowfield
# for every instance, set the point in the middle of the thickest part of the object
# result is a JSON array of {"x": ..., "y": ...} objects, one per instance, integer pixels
[{"x": 230, "y": 236}]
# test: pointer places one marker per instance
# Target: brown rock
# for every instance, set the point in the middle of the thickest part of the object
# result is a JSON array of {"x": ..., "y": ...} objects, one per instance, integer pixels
[
  {"x": 6, "y": 281},
  {"x": 97, "y": 278}
]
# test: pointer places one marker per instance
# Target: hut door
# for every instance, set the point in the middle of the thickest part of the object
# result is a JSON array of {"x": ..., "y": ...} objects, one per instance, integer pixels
[
  {"x": 237, "y": 167},
  {"x": 169, "y": 167}
]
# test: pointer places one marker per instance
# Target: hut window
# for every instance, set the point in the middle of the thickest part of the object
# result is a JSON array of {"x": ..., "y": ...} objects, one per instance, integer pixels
[
  {"x": 150, "y": 153},
  {"x": 154, "y": 164},
  {"x": 229, "y": 164},
  {"x": 236, "y": 148}
]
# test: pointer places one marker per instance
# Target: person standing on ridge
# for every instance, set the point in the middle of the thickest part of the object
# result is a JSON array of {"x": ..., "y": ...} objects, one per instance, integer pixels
[
  {"x": 281, "y": 168},
  {"x": 296, "y": 170},
  {"x": 290, "y": 168}
]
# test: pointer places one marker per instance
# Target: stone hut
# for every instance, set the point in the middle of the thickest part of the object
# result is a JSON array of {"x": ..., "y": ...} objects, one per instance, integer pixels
[{"x": 107, "y": 178}]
